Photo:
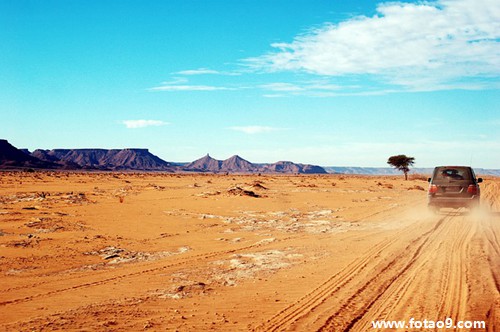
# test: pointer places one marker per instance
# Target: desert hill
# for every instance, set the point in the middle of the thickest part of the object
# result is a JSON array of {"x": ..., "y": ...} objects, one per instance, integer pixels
[
  {"x": 138, "y": 160},
  {"x": 142, "y": 160},
  {"x": 46, "y": 156},
  {"x": 290, "y": 167},
  {"x": 11, "y": 157},
  {"x": 204, "y": 164},
  {"x": 104, "y": 159},
  {"x": 236, "y": 164}
]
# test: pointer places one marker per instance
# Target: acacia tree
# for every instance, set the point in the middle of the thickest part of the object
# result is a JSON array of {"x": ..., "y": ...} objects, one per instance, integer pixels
[{"x": 401, "y": 163}]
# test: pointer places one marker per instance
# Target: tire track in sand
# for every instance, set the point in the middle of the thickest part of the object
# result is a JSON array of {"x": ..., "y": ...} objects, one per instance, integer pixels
[
  {"x": 454, "y": 299},
  {"x": 491, "y": 230},
  {"x": 431, "y": 278},
  {"x": 178, "y": 261},
  {"x": 371, "y": 294},
  {"x": 435, "y": 284},
  {"x": 346, "y": 294},
  {"x": 144, "y": 268}
]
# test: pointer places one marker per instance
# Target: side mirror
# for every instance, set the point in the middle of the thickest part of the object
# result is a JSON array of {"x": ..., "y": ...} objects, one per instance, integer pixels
[
  {"x": 479, "y": 180},
  {"x": 429, "y": 180}
]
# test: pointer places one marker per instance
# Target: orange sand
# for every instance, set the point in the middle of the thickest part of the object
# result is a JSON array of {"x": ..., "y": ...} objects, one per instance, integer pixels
[{"x": 120, "y": 252}]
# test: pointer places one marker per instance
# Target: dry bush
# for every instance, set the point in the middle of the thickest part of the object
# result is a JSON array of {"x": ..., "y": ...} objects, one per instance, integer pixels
[{"x": 417, "y": 176}]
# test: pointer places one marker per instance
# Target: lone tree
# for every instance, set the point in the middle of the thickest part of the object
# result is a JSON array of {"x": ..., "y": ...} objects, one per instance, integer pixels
[{"x": 402, "y": 163}]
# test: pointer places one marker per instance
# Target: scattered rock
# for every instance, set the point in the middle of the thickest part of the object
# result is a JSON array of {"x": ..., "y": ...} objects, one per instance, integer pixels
[
  {"x": 182, "y": 291},
  {"x": 31, "y": 208},
  {"x": 110, "y": 252},
  {"x": 148, "y": 325},
  {"x": 415, "y": 187},
  {"x": 111, "y": 256},
  {"x": 257, "y": 185},
  {"x": 23, "y": 243},
  {"x": 209, "y": 193},
  {"x": 237, "y": 191}
]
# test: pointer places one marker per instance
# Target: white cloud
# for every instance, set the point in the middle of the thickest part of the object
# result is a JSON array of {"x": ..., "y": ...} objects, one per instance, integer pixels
[
  {"x": 188, "y": 88},
  {"x": 255, "y": 129},
  {"x": 424, "y": 46},
  {"x": 200, "y": 71},
  {"x": 286, "y": 87},
  {"x": 143, "y": 123},
  {"x": 181, "y": 84},
  {"x": 318, "y": 88},
  {"x": 206, "y": 71}
]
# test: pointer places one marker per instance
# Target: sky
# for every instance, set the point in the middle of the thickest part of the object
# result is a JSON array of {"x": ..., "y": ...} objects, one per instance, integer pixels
[{"x": 326, "y": 82}]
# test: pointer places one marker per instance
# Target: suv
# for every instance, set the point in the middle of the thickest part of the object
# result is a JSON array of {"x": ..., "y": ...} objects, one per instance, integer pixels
[{"x": 453, "y": 186}]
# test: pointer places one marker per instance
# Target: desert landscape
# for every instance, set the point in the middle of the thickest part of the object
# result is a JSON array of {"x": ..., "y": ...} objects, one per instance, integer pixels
[
  {"x": 185, "y": 252},
  {"x": 249, "y": 165}
]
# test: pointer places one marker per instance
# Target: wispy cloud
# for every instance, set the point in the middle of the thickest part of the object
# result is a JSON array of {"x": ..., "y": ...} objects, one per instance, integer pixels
[
  {"x": 206, "y": 71},
  {"x": 282, "y": 87},
  {"x": 200, "y": 71},
  {"x": 189, "y": 88},
  {"x": 132, "y": 124},
  {"x": 425, "y": 46},
  {"x": 182, "y": 84},
  {"x": 255, "y": 129},
  {"x": 310, "y": 88}
]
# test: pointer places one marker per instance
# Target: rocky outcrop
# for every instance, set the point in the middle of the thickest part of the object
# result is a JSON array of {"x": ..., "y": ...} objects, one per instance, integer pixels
[
  {"x": 104, "y": 159},
  {"x": 11, "y": 157},
  {"x": 204, "y": 164},
  {"x": 137, "y": 160},
  {"x": 236, "y": 164},
  {"x": 289, "y": 167}
]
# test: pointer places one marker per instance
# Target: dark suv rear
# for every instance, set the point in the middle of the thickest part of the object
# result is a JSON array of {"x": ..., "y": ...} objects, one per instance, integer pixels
[{"x": 453, "y": 186}]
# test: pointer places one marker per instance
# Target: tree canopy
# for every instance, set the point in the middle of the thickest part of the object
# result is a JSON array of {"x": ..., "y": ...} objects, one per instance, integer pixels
[{"x": 402, "y": 163}]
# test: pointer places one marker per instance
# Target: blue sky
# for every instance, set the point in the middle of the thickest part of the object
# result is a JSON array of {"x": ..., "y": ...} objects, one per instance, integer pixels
[{"x": 344, "y": 83}]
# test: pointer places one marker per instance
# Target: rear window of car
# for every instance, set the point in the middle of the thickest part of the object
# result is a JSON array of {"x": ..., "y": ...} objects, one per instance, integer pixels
[{"x": 452, "y": 173}]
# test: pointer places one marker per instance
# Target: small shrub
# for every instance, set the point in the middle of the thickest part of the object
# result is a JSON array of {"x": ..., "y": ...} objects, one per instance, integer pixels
[{"x": 420, "y": 177}]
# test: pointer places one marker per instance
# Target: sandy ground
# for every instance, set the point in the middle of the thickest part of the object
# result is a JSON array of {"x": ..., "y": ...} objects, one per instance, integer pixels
[{"x": 120, "y": 252}]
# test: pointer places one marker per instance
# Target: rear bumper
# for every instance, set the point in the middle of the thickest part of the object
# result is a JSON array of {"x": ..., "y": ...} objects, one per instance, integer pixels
[{"x": 456, "y": 202}]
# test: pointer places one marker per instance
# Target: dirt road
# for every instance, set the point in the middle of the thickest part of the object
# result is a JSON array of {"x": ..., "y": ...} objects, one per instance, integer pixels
[
  {"x": 448, "y": 269},
  {"x": 303, "y": 253}
]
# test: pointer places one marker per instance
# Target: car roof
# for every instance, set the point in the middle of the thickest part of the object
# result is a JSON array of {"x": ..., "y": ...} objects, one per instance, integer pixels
[{"x": 453, "y": 166}]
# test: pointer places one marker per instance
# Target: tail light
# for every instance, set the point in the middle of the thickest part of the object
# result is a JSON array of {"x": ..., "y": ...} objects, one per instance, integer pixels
[
  {"x": 433, "y": 189},
  {"x": 472, "y": 189}
]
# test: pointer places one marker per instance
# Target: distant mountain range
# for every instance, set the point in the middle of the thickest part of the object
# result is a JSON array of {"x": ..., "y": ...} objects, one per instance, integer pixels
[
  {"x": 136, "y": 160},
  {"x": 114, "y": 159},
  {"x": 236, "y": 164},
  {"x": 143, "y": 160},
  {"x": 393, "y": 171},
  {"x": 10, "y": 157}
]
